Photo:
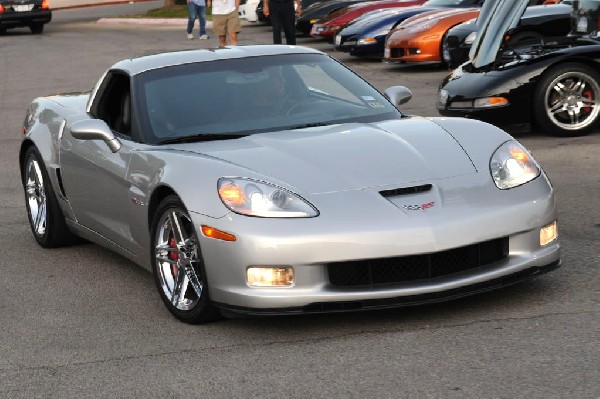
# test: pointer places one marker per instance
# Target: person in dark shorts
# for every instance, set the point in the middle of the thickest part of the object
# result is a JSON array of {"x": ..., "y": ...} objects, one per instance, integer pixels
[{"x": 282, "y": 16}]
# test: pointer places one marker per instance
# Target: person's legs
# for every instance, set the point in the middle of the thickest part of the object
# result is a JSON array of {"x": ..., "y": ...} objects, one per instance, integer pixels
[
  {"x": 288, "y": 18},
  {"x": 202, "y": 19},
  {"x": 220, "y": 28},
  {"x": 191, "y": 18},
  {"x": 233, "y": 27},
  {"x": 276, "y": 21}
]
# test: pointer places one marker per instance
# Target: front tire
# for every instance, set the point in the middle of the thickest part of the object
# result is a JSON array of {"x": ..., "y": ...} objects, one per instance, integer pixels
[
  {"x": 177, "y": 264},
  {"x": 567, "y": 100},
  {"x": 45, "y": 216}
]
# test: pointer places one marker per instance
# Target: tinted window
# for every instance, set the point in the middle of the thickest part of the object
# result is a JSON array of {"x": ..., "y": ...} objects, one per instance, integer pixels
[{"x": 254, "y": 95}]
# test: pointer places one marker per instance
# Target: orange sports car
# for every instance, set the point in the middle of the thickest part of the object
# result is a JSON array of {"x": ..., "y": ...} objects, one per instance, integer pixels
[{"x": 419, "y": 38}]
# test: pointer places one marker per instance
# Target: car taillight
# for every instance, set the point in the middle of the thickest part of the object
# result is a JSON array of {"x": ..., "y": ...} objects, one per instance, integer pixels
[
  {"x": 1, "y": 8},
  {"x": 45, "y": 5}
]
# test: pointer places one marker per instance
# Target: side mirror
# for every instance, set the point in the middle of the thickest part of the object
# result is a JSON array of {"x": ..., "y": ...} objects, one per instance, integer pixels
[
  {"x": 398, "y": 95},
  {"x": 95, "y": 129}
]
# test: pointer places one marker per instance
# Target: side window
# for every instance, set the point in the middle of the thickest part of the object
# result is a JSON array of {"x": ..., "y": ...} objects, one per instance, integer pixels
[{"x": 114, "y": 104}]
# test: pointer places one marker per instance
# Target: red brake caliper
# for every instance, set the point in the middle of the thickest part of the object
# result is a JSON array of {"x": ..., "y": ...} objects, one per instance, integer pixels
[
  {"x": 174, "y": 256},
  {"x": 588, "y": 95}
]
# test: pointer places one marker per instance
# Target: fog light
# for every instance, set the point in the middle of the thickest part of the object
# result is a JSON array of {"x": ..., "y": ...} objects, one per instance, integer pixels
[
  {"x": 270, "y": 276},
  {"x": 548, "y": 234}
]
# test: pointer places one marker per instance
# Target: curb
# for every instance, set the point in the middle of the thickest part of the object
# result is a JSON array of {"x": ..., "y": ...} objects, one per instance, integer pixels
[{"x": 104, "y": 3}]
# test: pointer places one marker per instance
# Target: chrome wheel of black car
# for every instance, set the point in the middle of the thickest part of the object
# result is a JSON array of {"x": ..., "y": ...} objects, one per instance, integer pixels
[
  {"x": 177, "y": 263},
  {"x": 568, "y": 100},
  {"x": 45, "y": 216}
]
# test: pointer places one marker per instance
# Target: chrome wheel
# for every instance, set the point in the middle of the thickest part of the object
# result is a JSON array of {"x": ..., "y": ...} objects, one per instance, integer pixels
[
  {"x": 572, "y": 100},
  {"x": 36, "y": 196},
  {"x": 177, "y": 260}
]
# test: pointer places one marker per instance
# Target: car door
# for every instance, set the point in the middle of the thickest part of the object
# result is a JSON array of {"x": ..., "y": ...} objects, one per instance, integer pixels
[{"x": 94, "y": 176}]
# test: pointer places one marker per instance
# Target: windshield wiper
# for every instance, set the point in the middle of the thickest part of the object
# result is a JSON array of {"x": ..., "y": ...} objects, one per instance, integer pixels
[
  {"x": 201, "y": 137},
  {"x": 307, "y": 125}
]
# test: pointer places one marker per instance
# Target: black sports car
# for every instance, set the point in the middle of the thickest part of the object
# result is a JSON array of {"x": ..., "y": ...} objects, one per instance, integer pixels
[
  {"x": 33, "y": 14},
  {"x": 553, "y": 83},
  {"x": 537, "y": 22}
]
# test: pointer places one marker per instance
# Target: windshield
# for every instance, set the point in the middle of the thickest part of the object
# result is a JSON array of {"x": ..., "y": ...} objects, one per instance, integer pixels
[{"x": 254, "y": 95}]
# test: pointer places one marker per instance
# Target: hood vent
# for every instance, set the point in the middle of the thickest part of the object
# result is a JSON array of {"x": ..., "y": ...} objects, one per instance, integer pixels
[{"x": 406, "y": 190}]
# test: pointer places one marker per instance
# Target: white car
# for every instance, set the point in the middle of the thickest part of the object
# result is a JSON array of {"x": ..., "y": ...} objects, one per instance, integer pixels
[{"x": 247, "y": 11}]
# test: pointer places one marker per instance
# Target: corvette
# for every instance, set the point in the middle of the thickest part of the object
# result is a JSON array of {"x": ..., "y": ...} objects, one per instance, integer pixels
[
  {"x": 552, "y": 83},
  {"x": 291, "y": 187}
]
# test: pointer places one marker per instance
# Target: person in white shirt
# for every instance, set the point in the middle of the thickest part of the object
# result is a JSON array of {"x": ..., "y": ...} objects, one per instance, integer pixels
[{"x": 226, "y": 21}]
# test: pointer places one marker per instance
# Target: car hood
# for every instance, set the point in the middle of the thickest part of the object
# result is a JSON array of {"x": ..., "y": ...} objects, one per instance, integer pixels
[
  {"x": 345, "y": 157},
  {"x": 435, "y": 14},
  {"x": 381, "y": 18},
  {"x": 499, "y": 17}
]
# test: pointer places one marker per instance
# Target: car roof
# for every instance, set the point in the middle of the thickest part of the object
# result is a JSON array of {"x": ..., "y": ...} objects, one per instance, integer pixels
[{"x": 134, "y": 66}]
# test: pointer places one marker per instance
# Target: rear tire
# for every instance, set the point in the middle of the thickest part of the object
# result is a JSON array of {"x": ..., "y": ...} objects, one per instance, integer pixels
[
  {"x": 36, "y": 29},
  {"x": 566, "y": 100},
  {"x": 46, "y": 219},
  {"x": 178, "y": 266}
]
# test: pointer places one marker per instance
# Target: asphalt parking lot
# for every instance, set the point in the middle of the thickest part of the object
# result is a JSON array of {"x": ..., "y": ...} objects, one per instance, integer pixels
[{"x": 83, "y": 322}]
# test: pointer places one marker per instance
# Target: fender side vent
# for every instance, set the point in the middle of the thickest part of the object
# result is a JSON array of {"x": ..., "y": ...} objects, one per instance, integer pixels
[
  {"x": 60, "y": 183},
  {"x": 406, "y": 190}
]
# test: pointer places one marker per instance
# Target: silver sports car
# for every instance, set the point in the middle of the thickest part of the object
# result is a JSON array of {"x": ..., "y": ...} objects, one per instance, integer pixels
[{"x": 273, "y": 180}]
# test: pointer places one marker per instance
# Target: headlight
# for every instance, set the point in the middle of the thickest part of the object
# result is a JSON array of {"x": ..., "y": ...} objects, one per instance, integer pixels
[
  {"x": 471, "y": 38},
  {"x": 424, "y": 26},
  {"x": 512, "y": 165},
  {"x": 367, "y": 40},
  {"x": 254, "y": 198}
]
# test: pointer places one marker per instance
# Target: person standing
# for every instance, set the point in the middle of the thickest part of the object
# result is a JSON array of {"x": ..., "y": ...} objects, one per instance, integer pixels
[
  {"x": 226, "y": 21},
  {"x": 283, "y": 16},
  {"x": 197, "y": 9}
]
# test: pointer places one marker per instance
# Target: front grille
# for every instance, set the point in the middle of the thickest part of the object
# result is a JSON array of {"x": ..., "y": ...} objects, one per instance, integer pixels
[
  {"x": 396, "y": 52},
  {"x": 403, "y": 269}
]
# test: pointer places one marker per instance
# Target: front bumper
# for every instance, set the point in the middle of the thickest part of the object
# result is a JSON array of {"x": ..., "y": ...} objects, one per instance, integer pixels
[
  {"x": 413, "y": 51},
  {"x": 349, "y": 44},
  {"x": 400, "y": 301},
  {"x": 310, "y": 245}
]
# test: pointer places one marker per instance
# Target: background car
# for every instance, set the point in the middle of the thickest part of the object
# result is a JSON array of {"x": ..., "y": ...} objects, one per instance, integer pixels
[
  {"x": 294, "y": 187},
  {"x": 366, "y": 36},
  {"x": 327, "y": 26},
  {"x": 260, "y": 15},
  {"x": 553, "y": 83},
  {"x": 419, "y": 39},
  {"x": 33, "y": 14},
  {"x": 317, "y": 11},
  {"x": 247, "y": 10},
  {"x": 537, "y": 22}
]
